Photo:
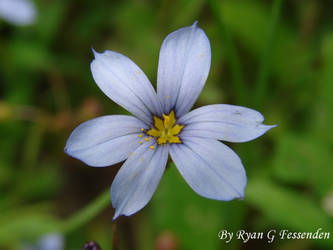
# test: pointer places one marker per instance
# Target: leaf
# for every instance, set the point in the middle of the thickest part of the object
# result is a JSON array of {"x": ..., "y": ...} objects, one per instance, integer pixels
[
  {"x": 300, "y": 159},
  {"x": 287, "y": 208},
  {"x": 248, "y": 21},
  {"x": 26, "y": 223}
]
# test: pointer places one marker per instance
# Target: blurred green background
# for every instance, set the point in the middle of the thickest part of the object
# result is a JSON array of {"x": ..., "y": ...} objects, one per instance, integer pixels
[{"x": 273, "y": 56}]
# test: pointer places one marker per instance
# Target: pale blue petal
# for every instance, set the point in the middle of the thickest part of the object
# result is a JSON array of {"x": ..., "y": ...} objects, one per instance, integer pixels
[
  {"x": 212, "y": 169},
  {"x": 51, "y": 242},
  {"x": 224, "y": 122},
  {"x": 105, "y": 140},
  {"x": 183, "y": 68},
  {"x": 138, "y": 178},
  {"x": 18, "y": 12},
  {"x": 126, "y": 84}
]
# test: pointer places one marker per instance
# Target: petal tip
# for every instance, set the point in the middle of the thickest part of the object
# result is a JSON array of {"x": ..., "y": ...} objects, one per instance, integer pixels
[
  {"x": 115, "y": 217},
  {"x": 119, "y": 213},
  {"x": 242, "y": 194},
  {"x": 241, "y": 198},
  {"x": 269, "y": 127},
  {"x": 67, "y": 150},
  {"x": 96, "y": 54}
]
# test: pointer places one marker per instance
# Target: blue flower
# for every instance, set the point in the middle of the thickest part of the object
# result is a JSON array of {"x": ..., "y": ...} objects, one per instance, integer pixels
[
  {"x": 163, "y": 125},
  {"x": 18, "y": 12},
  {"x": 51, "y": 241}
]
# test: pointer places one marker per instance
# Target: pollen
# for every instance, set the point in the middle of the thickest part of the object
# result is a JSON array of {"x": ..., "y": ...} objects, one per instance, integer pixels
[
  {"x": 140, "y": 135},
  {"x": 140, "y": 142},
  {"x": 142, "y": 129},
  {"x": 166, "y": 130},
  {"x": 151, "y": 147}
]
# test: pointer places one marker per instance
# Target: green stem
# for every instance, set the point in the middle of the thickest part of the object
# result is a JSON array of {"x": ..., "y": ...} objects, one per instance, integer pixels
[
  {"x": 86, "y": 214},
  {"x": 232, "y": 57},
  {"x": 265, "y": 62},
  {"x": 33, "y": 144},
  {"x": 115, "y": 240}
]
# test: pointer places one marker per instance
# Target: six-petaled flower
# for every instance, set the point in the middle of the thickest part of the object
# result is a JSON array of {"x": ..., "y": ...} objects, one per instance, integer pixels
[{"x": 163, "y": 125}]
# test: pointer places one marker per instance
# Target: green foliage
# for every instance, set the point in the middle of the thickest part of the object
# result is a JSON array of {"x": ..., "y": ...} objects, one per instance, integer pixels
[
  {"x": 26, "y": 223},
  {"x": 287, "y": 208},
  {"x": 194, "y": 220}
]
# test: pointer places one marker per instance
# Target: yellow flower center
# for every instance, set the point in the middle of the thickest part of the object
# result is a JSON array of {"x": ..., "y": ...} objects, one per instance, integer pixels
[{"x": 166, "y": 130}]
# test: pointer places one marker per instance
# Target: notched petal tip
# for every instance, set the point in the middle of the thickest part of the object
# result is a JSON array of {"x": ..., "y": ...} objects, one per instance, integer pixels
[
  {"x": 239, "y": 192},
  {"x": 66, "y": 150},
  {"x": 93, "y": 50},
  {"x": 240, "y": 198},
  {"x": 267, "y": 127},
  {"x": 225, "y": 122},
  {"x": 137, "y": 180},
  {"x": 211, "y": 168},
  {"x": 195, "y": 24},
  {"x": 96, "y": 54},
  {"x": 118, "y": 213},
  {"x": 125, "y": 83},
  {"x": 242, "y": 192},
  {"x": 183, "y": 68}
]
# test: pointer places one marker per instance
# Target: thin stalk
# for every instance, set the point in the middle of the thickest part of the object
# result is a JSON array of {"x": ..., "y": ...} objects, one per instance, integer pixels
[
  {"x": 232, "y": 57},
  {"x": 87, "y": 213},
  {"x": 33, "y": 145},
  {"x": 115, "y": 239},
  {"x": 60, "y": 93},
  {"x": 265, "y": 62}
]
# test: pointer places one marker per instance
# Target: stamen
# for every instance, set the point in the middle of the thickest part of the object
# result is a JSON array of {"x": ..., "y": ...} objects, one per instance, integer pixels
[
  {"x": 166, "y": 130},
  {"x": 151, "y": 147},
  {"x": 140, "y": 135}
]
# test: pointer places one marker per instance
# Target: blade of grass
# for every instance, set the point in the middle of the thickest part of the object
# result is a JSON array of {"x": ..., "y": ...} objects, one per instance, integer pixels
[
  {"x": 87, "y": 213},
  {"x": 265, "y": 61},
  {"x": 232, "y": 57},
  {"x": 32, "y": 145}
]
